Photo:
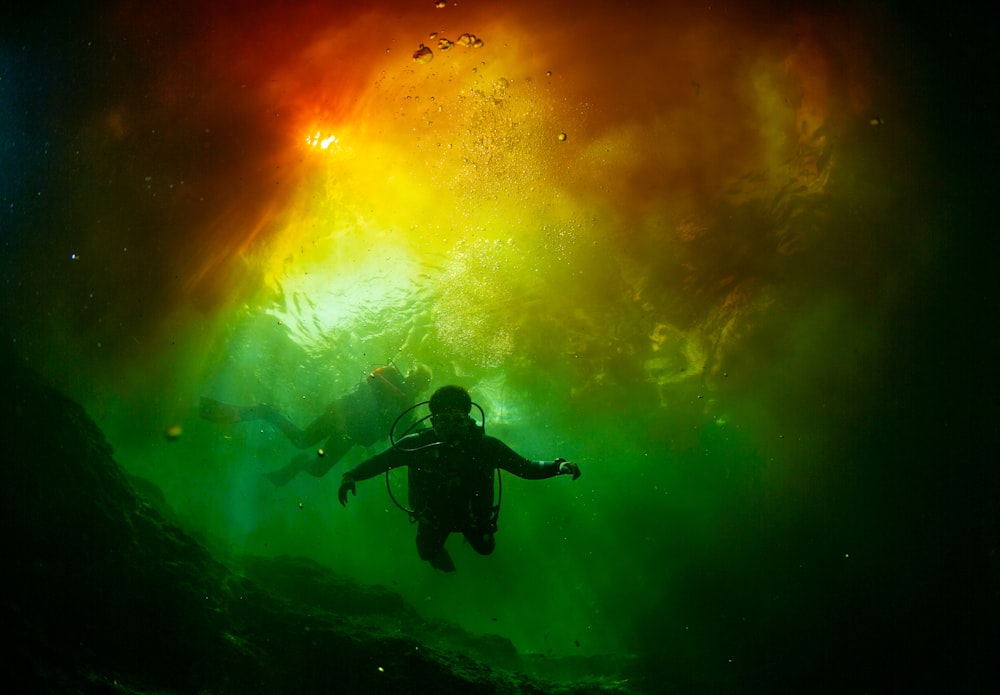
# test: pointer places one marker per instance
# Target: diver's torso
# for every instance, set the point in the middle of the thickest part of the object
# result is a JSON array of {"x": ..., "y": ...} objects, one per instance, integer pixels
[{"x": 452, "y": 484}]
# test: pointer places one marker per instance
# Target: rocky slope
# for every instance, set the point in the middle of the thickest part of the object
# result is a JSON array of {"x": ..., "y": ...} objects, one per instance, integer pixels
[{"x": 104, "y": 595}]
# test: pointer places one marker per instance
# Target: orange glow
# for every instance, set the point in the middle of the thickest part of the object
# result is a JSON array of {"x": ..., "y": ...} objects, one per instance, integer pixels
[
  {"x": 322, "y": 141},
  {"x": 621, "y": 225},
  {"x": 532, "y": 137}
]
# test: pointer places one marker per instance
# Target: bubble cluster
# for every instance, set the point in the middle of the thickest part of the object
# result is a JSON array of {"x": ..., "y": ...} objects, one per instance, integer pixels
[
  {"x": 469, "y": 41},
  {"x": 423, "y": 55}
]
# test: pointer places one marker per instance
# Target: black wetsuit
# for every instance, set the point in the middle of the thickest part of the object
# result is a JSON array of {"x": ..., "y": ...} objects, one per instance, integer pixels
[
  {"x": 361, "y": 417},
  {"x": 451, "y": 484}
]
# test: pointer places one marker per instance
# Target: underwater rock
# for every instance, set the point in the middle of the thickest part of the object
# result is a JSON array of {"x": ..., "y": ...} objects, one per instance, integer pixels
[{"x": 102, "y": 593}]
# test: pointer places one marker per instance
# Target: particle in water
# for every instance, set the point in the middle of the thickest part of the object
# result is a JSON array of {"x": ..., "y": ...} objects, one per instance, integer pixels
[
  {"x": 321, "y": 452},
  {"x": 173, "y": 433},
  {"x": 444, "y": 44},
  {"x": 465, "y": 40},
  {"x": 440, "y": 4},
  {"x": 478, "y": 43},
  {"x": 423, "y": 55},
  {"x": 561, "y": 137},
  {"x": 548, "y": 73}
]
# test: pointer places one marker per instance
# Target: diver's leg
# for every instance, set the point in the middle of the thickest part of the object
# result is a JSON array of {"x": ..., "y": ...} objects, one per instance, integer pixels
[
  {"x": 301, "y": 438},
  {"x": 295, "y": 434},
  {"x": 328, "y": 425},
  {"x": 217, "y": 411},
  {"x": 317, "y": 464},
  {"x": 430, "y": 547},
  {"x": 327, "y": 457},
  {"x": 284, "y": 475},
  {"x": 482, "y": 541}
]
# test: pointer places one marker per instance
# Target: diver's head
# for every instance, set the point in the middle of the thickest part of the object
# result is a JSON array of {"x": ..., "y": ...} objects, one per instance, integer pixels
[
  {"x": 417, "y": 380},
  {"x": 450, "y": 407}
]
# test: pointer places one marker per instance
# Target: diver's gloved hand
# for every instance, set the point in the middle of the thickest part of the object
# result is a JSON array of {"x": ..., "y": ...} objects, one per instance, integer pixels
[
  {"x": 568, "y": 468},
  {"x": 346, "y": 483}
]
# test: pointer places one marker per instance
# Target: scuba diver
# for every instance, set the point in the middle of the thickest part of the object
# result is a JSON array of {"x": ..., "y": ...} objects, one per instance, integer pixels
[
  {"x": 359, "y": 418},
  {"x": 451, "y": 469}
]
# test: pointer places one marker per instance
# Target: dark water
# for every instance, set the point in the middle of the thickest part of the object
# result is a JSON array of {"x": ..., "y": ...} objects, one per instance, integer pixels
[{"x": 748, "y": 292}]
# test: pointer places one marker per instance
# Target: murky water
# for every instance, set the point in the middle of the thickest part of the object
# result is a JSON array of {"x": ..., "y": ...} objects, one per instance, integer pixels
[{"x": 670, "y": 245}]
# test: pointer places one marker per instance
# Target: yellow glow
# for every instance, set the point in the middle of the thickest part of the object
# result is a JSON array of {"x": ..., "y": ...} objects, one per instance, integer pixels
[
  {"x": 321, "y": 141},
  {"x": 480, "y": 184}
]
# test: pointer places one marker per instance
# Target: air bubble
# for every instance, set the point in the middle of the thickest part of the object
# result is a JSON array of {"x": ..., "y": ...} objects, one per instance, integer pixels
[
  {"x": 423, "y": 55},
  {"x": 444, "y": 44}
]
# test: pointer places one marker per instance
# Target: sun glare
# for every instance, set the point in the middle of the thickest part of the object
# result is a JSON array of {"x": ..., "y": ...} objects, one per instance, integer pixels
[{"x": 321, "y": 141}]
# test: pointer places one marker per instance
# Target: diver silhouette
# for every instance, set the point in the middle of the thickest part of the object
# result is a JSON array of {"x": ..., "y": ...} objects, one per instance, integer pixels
[
  {"x": 451, "y": 468},
  {"x": 359, "y": 418}
]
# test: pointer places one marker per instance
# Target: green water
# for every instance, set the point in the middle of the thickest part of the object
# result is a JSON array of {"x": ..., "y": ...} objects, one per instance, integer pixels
[
  {"x": 777, "y": 383},
  {"x": 705, "y": 418}
]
